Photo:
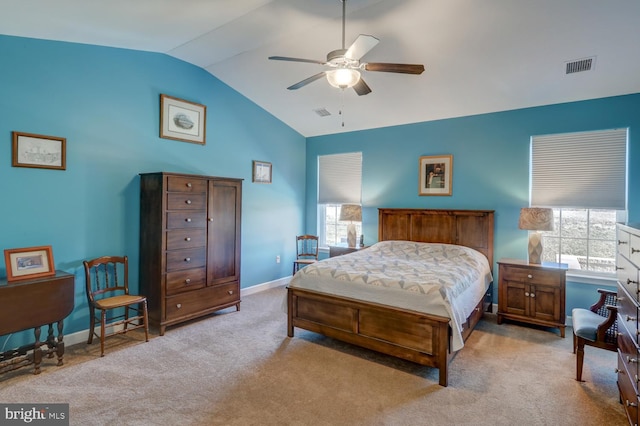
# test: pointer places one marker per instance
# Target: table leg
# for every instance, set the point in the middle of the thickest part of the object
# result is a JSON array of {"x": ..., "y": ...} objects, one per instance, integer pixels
[
  {"x": 37, "y": 352},
  {"x": 60, "y": 344}
]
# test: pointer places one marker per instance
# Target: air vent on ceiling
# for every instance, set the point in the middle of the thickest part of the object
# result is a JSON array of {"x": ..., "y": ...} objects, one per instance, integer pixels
[
  {"x": 580, "y": 65},
  {"x": 322, "y": 112}
]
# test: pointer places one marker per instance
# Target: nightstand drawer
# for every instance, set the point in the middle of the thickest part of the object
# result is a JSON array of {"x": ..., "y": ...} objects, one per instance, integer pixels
[{"x": 511, "y": 273}]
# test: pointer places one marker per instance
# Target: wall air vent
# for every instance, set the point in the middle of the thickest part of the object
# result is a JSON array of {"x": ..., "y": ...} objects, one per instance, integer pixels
[
  {"x": 580, "y": 65},
  {"x": 322, "y": 112}
]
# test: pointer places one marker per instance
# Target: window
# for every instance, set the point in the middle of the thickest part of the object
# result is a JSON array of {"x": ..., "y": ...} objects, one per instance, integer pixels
[
  {"x": 582, "y": 176},
  {"x": 585, "y": 239},
  {"x": 339, "y": 182}
]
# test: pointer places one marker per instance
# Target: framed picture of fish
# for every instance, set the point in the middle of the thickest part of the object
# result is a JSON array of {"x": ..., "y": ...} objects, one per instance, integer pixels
[{"x": 182, "y": 120}]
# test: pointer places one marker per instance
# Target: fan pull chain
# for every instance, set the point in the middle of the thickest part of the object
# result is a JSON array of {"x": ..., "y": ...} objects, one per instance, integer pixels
[{"x": 341, "y": 106}]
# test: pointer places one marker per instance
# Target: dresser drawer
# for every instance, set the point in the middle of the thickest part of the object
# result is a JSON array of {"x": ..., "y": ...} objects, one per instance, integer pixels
[
  {"x": 623, "y": 243},
  {"x": 186, "y": 184},
  {"x": 634, "y": 249},
  {"x": 628, "y": 350},
  {"x": 186, "y": 201},
  {"x": 628, "y": 396},
  {"x": 186, "y": 238},
  {"x": 187, "y": 280},
  {"x": 627, "y": 311},
  {"x": 511, "y": 273},
  {"x": 226, "y": 293},
  {"x": 627, "y": 276},
  {"x": 185, "y": 259},
  {"x": 194, "y": 302},
  {"x": 186, "y": 219}
]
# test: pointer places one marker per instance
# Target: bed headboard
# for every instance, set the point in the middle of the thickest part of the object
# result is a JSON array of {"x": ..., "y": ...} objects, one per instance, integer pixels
[{"x": 470, "y": 228}]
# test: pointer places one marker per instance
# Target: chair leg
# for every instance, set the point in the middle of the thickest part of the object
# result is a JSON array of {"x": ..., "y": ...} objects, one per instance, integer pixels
[
  {"x": 103, "y": 319},
  {"x": 575, "y": 342},
  {"x": 579, "y": 358},
  {"x": 146, "y": 321},
  {"x": 92, "y": 324}
]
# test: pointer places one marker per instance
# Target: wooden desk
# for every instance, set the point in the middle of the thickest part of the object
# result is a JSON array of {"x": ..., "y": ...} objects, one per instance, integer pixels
[{"x": 31, "y": 304}]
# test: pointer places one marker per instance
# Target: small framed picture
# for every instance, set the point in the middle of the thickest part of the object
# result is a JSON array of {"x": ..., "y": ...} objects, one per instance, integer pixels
[
  {"x": 182, "y": 120},
  {"x": 261, "y": 172},
  {"x": 29, "y": 262},
  {"x": 39, "y": 151},
  {"x": 435, "y": 175}
]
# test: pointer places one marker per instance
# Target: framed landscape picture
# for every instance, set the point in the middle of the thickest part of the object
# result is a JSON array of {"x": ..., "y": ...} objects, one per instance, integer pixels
[
  {"x": 29, "y": 262},
  {"x": 182, "y": 120},
  {"x": 435, "y": 174},
  {"x": 39, "y": 151},
  {"x": 261, "y": 172}
]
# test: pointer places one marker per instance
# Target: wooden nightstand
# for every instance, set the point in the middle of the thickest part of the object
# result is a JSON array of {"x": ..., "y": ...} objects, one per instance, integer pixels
[
  {"x": 532, "y": 293},
  {"x": 340, "y": 250}
]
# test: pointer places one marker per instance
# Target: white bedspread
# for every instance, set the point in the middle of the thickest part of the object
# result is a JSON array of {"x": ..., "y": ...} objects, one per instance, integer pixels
[{"x": 440, "y": 279}]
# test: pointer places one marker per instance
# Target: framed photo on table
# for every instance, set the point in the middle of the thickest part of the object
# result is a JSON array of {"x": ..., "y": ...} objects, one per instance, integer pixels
[
  {"x": 182, "y": 120},
  {"x": 29, "y": 262},
  {"x": 435, "y": 174},
  {"x": 262, "y": 172},
  {"x": 39, "y": 151}
]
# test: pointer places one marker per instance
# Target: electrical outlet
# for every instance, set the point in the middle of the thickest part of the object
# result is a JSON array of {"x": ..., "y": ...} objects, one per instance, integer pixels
[{"x": 277, "y": 259}]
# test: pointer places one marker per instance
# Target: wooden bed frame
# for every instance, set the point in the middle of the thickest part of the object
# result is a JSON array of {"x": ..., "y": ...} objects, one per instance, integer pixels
[{"x": 414, "y": 336}]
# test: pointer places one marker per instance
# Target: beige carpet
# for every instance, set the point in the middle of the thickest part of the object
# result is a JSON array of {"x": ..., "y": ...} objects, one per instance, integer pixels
[{"x": 240, "y": 368}]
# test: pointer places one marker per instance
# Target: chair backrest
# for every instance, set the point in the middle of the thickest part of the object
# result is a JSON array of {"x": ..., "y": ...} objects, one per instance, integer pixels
[
  {"x": 106, "y": 276},
  {"x": 600, "y": 308},
  {"x": 307, "y": 246}
]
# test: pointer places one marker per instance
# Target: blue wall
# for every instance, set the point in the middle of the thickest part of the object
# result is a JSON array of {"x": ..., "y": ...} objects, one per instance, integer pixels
[
  {"x": 490, "y": 166},
  {"x": 105, "y": 101}
]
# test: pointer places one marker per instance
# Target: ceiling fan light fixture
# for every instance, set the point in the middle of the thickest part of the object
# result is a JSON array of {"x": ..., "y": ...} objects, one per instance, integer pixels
[{"x": 343, "y": 78}]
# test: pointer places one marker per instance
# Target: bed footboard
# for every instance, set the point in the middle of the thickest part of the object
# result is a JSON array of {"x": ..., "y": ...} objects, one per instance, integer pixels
[{"x": 414, "y": 336}]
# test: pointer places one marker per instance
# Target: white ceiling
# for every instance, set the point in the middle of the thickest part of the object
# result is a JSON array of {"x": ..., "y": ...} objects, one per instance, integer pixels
[{"x": 480, "y": 55}]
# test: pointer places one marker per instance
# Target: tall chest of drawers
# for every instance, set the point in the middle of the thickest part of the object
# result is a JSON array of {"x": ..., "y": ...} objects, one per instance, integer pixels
[
  {"x": 628, "y": 266},
  {"x": 189, "y": 245}
]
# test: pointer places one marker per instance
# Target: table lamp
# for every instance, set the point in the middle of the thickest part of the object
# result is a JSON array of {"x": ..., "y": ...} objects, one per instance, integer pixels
[
  {"x": 535, "y": 219},
  {"x": 351, "y": 213}
]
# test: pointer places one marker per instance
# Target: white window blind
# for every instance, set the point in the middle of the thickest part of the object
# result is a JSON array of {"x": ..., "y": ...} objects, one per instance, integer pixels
[
  {"x": 583, "y": 170},
  {"x": 340, "y": 178}
]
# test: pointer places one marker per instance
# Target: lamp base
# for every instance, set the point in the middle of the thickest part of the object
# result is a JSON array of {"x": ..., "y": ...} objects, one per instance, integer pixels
[
  {"x": 535, "y": 248},
  {"x": 351, "y": 235}
]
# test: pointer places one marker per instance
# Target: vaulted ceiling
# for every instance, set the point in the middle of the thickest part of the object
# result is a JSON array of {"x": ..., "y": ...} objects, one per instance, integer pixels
[{"x": 480, "y": 55}]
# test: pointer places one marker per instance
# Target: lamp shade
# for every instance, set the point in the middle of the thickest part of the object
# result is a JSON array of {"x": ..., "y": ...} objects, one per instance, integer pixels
[
  {"x": 536, "y": 219},
  {"x": 343, "y": 78},
  {"x": 351, "y": 213}
]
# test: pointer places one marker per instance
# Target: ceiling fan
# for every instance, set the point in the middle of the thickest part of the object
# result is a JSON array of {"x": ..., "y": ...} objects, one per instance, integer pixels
[{"x": 345, "y": 66}]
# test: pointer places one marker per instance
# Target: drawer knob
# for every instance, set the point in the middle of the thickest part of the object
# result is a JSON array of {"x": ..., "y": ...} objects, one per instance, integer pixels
[
  {"x": 620, "y": 298},
  {"x": 189, "y": 185},
  {"x": 188, "y": 219},
  {"x": 188, "y": 201},
  {"x": 230, "y": 291},
  {"x": 187, "y": 259},
  {"x": 630, "y": 281},
  {"x": 526, "y": 293},
  {"x": 631, "y": 318},
  {"x": 619, "y": 268},
  {"x": 529, "y": 276},
  {"x": 631, "y": 360},
  {"x": 187, "y": 281},
  {"x": 619, "y": 334},
  {"x": 188, "y": 239},
  {"x": 634, "y": 250},
  {"x": 622, "y": 242},
  {"x": 631, "y": 404},
  {"x": 210, "y": 219},
  {"x": 179, "y": 305}
]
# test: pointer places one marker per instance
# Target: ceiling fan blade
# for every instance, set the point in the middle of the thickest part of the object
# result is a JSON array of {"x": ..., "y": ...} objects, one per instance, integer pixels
[
  {"x": 307, "y": 81},
  {"x": 362, "y": 88},
  {"x": 285, "y": 58},
  {"x": 400, "y": 68},
  {"x": 363, "y": 44}
]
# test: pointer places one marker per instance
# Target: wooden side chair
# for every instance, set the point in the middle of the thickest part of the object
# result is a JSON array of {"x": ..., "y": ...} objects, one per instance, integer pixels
[
  {"x": 107, "y": 285},
  {"x": 306, "y": 251},
  {"x": 596, "y": 326}
]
